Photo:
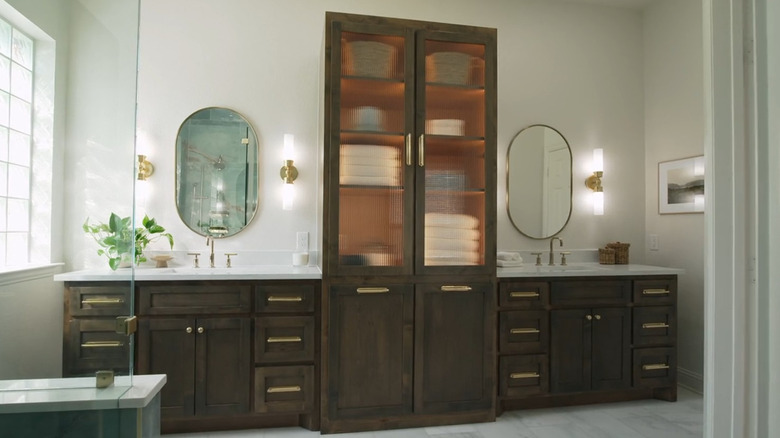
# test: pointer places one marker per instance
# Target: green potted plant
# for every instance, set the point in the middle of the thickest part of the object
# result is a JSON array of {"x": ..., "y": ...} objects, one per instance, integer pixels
[{"x": 120, "y": 243}]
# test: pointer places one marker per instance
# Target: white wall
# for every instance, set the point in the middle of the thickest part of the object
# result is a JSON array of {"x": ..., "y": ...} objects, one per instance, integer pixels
[
  {"x": 674, "y": 128},
  {"x": 578, "y": 68}
]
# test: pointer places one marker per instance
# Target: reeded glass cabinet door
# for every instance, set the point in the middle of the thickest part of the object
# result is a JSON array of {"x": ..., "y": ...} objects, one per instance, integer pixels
[
  {"x": 455, "y": 151},
  {"x": 372, "y": 124}
]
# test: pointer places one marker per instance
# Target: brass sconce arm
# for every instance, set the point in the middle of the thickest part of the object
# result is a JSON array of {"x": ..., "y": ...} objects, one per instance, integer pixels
[
  {"x": 288, "y": 172},
  {"x": 593, "y": 182},
  {"x": 145, "y": 168}
]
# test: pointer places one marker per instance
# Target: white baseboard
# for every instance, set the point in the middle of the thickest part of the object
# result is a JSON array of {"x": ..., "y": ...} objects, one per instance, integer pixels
[{"x": 690, "y": 380}]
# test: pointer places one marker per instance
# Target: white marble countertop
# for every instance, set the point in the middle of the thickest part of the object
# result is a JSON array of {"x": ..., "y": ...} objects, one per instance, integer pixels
[
  {"x": 258, "y": 272},
  {"x": 584, "y": 270},
  {"x": 77, "y": 394}
]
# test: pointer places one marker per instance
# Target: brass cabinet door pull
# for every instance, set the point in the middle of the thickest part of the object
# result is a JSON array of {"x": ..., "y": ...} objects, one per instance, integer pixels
[
  {"x": 274, "y": 299},
  {"x": 655, "y": 292},
  {"x": 278, "y": 389},
  {"x": 102, "y": 344},
  {"x": 597, "y": 316},
  {"x": 655, "y": 325},
  {"x": 655, "y": 366},
  {"x": 277, "y": 339},
  {"x": 372, "y": 290},
  {"x": 455, "y": 288},
  {"x": 102, "y": 301},
  {"x": 588, "y": 317},
  {"x": 200, "y": 330},
  {"x": 524, "y": 294},
  {"x": 421, "y": 151},
  {"x": 188, "y": 329},
  {"x": 523, "y": 375},
  {"x": 409, "y": 149},
  {"x": 521, "y": 331}
]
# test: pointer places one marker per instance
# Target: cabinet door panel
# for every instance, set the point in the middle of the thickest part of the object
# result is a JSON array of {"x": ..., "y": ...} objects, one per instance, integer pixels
[
  {"x": 453, "y": 348},
  {"x": 223, "y": 366},
  {"x": 166, "y": 346},
  {"x": 370, "y": 352},
  {"x": 570, "y": 345},
  {"x": 611, "y": 353}
]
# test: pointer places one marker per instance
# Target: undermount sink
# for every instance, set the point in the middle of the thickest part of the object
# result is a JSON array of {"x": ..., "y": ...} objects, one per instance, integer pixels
[
  {"x": 564, "y": 268},
  {"x": 207, "y": 271}
]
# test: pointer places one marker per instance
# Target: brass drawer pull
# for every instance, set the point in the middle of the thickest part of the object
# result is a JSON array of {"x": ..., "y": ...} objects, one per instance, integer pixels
[
  {"x": 524, "y": 294},
  {"x": 655, "y": 292},
  {"x": 278, "y": 339},
  {"x": 655, "y": 366},
  {"x": 273, "y": 299},
  {"x": 520, "y": 331},
  {"x": 102, "y": 344},
  {"x": 372, "y": 290},
  {"x": 455, "y": 288},
  {"x": 655, "y": 325},
  {"x": 524, "y": 375},
  {"x": 279, "y": 389},
  {"x": 102, "y": 301}
]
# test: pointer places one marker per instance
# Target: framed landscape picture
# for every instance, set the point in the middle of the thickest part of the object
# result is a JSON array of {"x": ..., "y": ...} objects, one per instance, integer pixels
[{"x": 681, "y": 186}]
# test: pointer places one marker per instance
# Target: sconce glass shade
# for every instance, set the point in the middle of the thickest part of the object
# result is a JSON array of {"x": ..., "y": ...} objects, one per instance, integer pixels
[
  {"x": 288, "y": 196},
  {"x": 598, "y": 203},
  {"x": 598, "y": 160},
  {"x": 288, "y": 152}
]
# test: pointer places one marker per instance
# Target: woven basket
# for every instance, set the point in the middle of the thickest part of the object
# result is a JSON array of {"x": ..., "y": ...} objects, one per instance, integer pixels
[
  {"x": 606, "y": 256},
  {"x": 621, "y": 252},
  {"x": 448, "y": 67},
  {"x": 370, "y": 58}
]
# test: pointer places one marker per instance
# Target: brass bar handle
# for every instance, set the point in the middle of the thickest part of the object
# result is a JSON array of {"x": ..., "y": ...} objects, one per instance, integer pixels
[
  {"x": 102, "y": 301},
  {"x": 372, "y": 290},
  {"x": 275, "y": 299},
  {"x": 655, "y": 325},
  {"x": 102, "y": 344},
  {"x": 409, "y": 149},
  {"x": 524, "y": 375},
  {"x": 523, "y": 294},
  {"x": 655, "y": 366},
  {"x": 655, "y": 292},
  {"x": 278, "y": 339},
  {"x": 279, "y": 389},
  {"x": 421, "y": 146},
  {"x": 455, "y": 288},
  {"x": 522, "y": 331}
]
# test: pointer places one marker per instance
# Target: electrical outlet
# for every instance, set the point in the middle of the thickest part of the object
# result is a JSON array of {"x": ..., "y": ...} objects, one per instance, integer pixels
[
  {"x": 653, "y": 242},
  {"x": 302, "y": 241}
]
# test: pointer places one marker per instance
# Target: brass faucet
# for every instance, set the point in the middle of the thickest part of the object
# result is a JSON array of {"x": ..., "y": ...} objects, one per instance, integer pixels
[
  {"x": 552, "y": 254},
  {"x": 210, "y": 240}
]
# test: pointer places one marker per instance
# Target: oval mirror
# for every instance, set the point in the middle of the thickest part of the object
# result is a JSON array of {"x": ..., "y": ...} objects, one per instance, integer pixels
[
  {"x": 216, "y": 172},
  {"x": 538, "y": 179}
]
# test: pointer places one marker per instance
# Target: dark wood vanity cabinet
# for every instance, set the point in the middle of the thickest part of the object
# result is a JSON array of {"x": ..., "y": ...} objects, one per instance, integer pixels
[{"x": 586, "y": 339}]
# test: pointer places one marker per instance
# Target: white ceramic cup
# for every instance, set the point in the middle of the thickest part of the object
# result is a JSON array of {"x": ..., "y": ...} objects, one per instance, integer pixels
[{"x": 300, "y": 258}]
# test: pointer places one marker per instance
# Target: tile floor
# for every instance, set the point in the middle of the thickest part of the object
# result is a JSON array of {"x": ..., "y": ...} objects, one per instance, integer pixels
[{"x": 635, "y": 419}]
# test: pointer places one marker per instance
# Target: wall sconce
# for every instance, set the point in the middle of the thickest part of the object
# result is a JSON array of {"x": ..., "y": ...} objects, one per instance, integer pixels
[
  {"x": 145, "y": 168},
  {"x": 593, "y": 182},
  {"x": 288, "y": 172}
]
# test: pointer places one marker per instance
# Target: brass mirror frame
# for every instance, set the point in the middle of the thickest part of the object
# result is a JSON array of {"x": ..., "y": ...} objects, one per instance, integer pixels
[
  {"x": 252, "y": 137},
  {"x": 571, "y": 178}
]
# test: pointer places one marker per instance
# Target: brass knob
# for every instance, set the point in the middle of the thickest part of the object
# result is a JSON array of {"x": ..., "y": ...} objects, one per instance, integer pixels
[
  {"x": 588, "y": 317},
  {"x": 200, "y": 330},
  {"x": 189, "y": 329},
  {"x": 598, "y": 316}
]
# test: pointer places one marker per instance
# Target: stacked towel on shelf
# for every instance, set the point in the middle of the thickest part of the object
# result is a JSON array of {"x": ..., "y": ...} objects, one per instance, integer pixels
[
  {"x": 507, "y": 259},
  {"x": 370, "y": 165},
  {"x": 451, "y": 239}
]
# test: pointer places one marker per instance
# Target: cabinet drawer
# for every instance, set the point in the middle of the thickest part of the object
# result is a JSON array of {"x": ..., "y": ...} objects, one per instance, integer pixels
[
  {"x": 284, "y": 389},
  {"x": 655, "y": 367},
  {"x": 285, "y": 298},
  {"x": 99, "y": 299},
  {"x": 523, "y": 375},
  {"x": 195, "y": 298},
  {"x": 589, "y": 293},
  {"x": 656, "y": 292},
  {"x": 92, "y": 345},
  {"x": 524, "y": 331},
  {"x": 654, "y": 326},
  {"x": 524, "y": 295},
  {"x": 284, "y": 339}
]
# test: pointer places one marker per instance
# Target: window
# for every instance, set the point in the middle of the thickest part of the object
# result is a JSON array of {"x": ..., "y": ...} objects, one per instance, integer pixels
[{"x": 16, "y": 110}]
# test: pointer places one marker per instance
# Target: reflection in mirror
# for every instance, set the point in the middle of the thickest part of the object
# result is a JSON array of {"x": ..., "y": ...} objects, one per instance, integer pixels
[
  {"x": 216, "y": 172},
  {"x": 539, "y": 182}
]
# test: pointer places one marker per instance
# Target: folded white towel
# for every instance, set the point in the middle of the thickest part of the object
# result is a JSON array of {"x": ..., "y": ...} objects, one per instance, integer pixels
[
  {"x": 449, "y": 262},
  {"x": 451, "y": 220},
  {"x": 451, "y": 244},
  {"x": 369, "y": 180},
  {"x": 451, "y": 233},
  {"x": 509, "y": 263},
  {"x": 507, "y": 255},
  {"x": 348, "y": 160},
  {"x": 451, "y": 257},
  {"x": 365, "y": 150},
  {"x": 354, "y": 170}
]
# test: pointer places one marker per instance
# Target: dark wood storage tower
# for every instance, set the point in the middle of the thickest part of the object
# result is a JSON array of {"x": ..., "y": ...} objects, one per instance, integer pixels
[{"x": 409, "y": 238}]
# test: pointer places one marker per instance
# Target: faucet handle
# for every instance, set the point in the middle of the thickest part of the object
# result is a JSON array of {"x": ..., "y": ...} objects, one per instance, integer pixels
[
  {"x": 196, "y": 254},
  {"x": 563, "y": 257},
  {"x": 228, "y": 254},
  {"x": 538, "y": 258}
]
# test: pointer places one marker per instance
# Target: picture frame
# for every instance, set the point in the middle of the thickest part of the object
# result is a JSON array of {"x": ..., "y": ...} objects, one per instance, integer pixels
[{"x": 681, "y": 186}]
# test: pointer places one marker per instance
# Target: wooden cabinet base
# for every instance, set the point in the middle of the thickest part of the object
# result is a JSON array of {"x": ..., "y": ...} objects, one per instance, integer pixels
[
  {"x": 584, "y": 398},
  {"x": 190, "y": 425},
  {"x": 406, "y": 421}
]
